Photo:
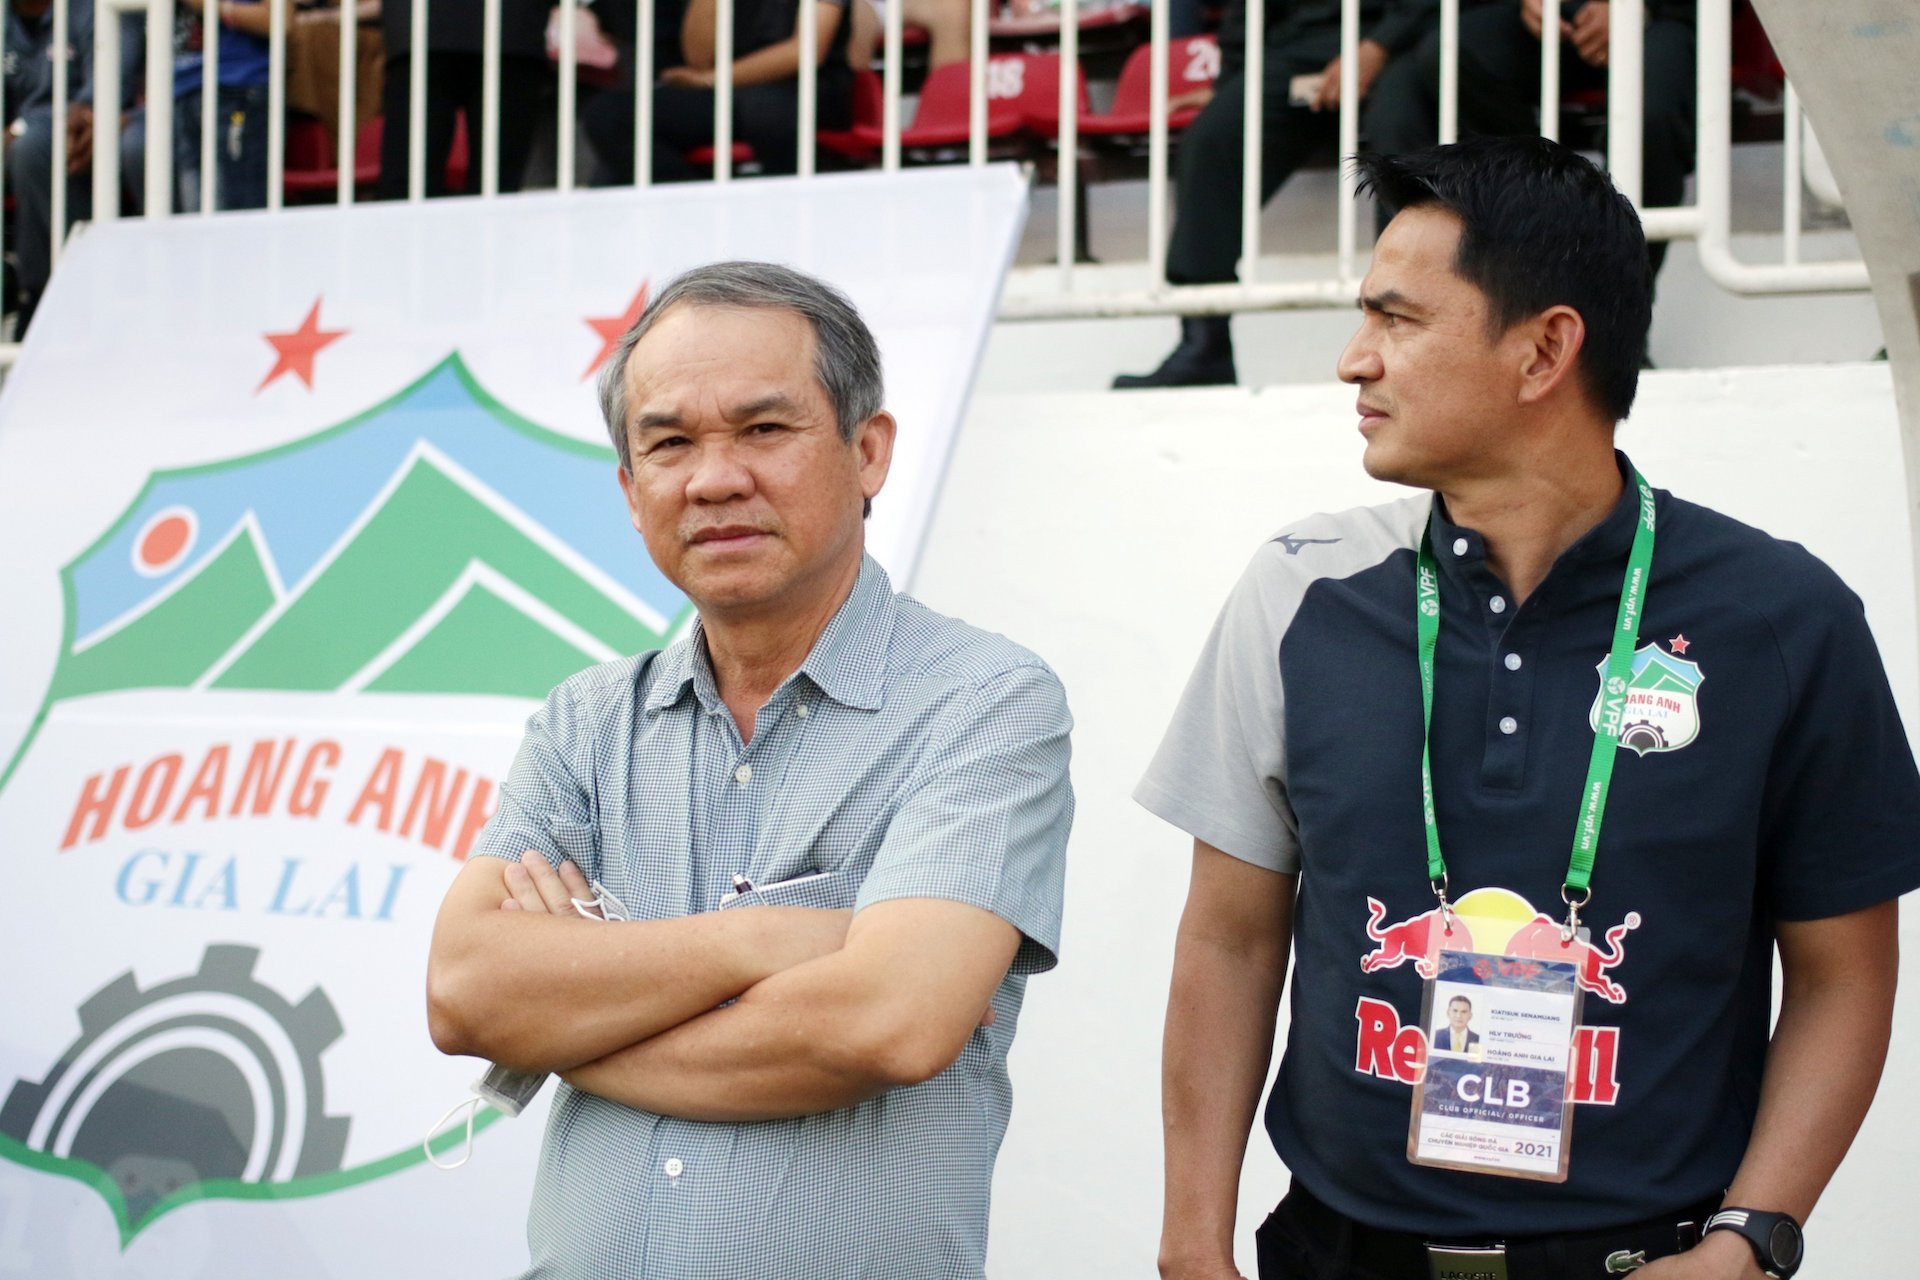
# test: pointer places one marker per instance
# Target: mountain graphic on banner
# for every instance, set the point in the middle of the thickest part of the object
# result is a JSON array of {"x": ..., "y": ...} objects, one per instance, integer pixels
[{"x": 436, "y": 544}]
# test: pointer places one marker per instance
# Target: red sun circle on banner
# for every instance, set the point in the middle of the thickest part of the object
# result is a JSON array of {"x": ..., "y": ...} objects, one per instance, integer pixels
[{"x": 164, "y": 541}]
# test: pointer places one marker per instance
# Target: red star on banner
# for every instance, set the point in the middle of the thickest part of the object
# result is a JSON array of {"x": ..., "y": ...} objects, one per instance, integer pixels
[
  {"x": 1679, "y": 645},
  {"x": 297, "y": 349},
  {"x": 612, "y": 328}
]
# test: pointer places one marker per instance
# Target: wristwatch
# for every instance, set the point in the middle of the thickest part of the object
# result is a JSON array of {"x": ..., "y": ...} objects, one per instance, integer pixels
[{"x": 1775, "y": 1238}]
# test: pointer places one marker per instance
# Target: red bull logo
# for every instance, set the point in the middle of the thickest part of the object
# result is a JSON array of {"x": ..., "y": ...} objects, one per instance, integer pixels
[
  {"x": 1501, "y": 923},
  {"x": 1414, "y": 939},
  {"x": 1541, "y": 940}
]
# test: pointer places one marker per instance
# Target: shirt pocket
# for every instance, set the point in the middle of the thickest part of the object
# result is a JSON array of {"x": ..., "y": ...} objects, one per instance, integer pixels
[{"x": 821, "y": 890}]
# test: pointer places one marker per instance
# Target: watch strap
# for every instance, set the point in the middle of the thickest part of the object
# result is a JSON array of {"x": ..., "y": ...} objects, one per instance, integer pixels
[{"x": 1774, "y": 1237}]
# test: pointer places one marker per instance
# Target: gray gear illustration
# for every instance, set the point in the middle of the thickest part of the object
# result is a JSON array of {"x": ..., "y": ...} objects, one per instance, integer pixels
[
  {"x": 1643, "y": 737},
  {"x": 214, "y": 1075}
]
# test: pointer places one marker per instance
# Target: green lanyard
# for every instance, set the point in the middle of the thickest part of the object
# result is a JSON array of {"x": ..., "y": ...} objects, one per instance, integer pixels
[{"x": 1576, "y": 891}]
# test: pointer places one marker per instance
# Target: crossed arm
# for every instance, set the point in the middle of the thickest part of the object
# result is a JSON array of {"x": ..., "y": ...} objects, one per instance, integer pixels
[{"x": 831, "y": 1010}]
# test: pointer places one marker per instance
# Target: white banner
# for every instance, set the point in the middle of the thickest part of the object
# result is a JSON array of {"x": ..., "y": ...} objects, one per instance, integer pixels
[{"x": 302, "y": 512}]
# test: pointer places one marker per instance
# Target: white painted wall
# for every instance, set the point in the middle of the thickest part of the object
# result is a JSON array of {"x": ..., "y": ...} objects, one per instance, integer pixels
[{"x": 1104, "y": 530}]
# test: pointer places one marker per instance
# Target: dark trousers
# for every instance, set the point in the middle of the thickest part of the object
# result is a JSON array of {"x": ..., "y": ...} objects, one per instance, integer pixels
[
  {"x": 1304, "y": 1239},
  {"x": 1500, "y": 94},
  {"x": 454, "y": 84},
  {"x": 239, "y": 148},
  {"x": 765, "y": 116},
  {"x": 1205, "y": 245}
]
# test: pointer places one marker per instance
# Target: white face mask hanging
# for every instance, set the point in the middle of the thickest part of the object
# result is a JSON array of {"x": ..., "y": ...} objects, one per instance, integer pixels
[{"x": 503, "y": 1088}]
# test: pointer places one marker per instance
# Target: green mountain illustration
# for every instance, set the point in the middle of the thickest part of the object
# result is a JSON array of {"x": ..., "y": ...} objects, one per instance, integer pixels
[
  {"x": 169, "y": 645},
  {"x": 484, "y": 645},
  {"x": 407, "y": 552}
]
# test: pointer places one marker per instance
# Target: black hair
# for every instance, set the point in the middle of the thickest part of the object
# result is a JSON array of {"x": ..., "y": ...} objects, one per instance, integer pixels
[{"x": 1541, "y": 226}]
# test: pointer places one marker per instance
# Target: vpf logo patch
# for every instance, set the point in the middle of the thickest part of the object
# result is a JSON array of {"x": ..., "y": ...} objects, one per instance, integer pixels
[{"x": 1657, "y": 708}]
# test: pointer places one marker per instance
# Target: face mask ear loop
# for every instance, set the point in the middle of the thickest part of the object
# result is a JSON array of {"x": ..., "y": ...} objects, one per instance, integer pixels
[{"x": 473, "y": 1107}]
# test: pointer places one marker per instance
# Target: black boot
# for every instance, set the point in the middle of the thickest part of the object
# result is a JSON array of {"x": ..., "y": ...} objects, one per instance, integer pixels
[{"x": 1204, "y": 358}]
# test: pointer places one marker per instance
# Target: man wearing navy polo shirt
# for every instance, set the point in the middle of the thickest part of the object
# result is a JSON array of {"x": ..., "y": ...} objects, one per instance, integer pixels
[{"x": 1594, "y": 648}]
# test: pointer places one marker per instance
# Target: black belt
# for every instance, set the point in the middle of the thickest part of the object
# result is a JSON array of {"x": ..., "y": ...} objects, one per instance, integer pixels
[{"x": 1573, "y": 1255}]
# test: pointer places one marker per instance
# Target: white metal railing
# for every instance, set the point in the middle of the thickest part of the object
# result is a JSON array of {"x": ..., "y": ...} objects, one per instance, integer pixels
[{"x": 1062, "y": 291}]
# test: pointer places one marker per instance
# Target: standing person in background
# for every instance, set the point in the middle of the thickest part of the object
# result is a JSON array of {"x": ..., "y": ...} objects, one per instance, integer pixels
[
  {"x": 1500, "y": 85},
  {"x": 1299, "y": 111},
  {"x": 766, "y": 92},
  {"x": 455, "y": 52}
]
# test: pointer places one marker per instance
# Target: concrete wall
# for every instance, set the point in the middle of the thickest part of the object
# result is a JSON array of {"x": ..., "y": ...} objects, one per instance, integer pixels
[{"x": 1104, "y": 531}]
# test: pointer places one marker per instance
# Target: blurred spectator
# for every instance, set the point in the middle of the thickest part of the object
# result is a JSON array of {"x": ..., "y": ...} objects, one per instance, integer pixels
[
  {"x": 28, "y": 107},
  {"x": 1300, "y": 105},
  {"x": 240, "y": 109},
  {"x": 618, "y": 21},
  {"x": 948, "y": 24},
  {"x": 455, "y": 49},
  {"x": 1500, "y": 84},
  {"x": 766, "y": 108}
]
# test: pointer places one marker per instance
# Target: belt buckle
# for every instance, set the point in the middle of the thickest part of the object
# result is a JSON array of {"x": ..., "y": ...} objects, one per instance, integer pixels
[{"x": 1467, "y": 1262}]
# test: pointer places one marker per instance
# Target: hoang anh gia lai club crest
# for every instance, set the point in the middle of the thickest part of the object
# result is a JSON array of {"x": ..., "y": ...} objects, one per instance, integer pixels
[{"x": 1657, "y": 707}]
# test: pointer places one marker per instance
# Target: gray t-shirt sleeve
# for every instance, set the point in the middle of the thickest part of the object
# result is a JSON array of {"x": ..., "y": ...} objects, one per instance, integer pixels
[{"x": 1220, "y": 773}]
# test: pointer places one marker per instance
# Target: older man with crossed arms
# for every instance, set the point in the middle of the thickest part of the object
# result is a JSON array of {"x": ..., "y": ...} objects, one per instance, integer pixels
[{"x": 837, "y": 818}]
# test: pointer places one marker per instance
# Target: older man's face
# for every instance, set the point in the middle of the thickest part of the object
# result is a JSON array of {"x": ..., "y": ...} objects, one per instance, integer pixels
[
  {"x": 747, "y": 497},
  {"x": 1459, "y": 1014}
]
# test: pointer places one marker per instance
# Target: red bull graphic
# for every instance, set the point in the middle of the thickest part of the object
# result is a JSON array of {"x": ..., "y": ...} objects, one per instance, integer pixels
[
  {"x": 1498, "y": 922},
  {"x": 1541, "y": 940},
  {"x": 1415, "y": 939}
]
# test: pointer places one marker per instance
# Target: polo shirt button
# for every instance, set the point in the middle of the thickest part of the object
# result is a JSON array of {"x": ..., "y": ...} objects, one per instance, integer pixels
[
  {"x": 1509, "y": 725},
  {"x": 1459, "y": 546},
  {"x": 743, "y": 774},
  {"x": 673, "y": 1168},
  {"x": 1498, "y": 604},
  {"x": 801, "y": 710},
  {"x": 1513, "y": 662}
]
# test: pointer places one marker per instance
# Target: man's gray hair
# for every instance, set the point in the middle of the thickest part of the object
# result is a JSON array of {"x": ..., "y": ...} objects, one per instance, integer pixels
[{"x": 845, "y": 357}]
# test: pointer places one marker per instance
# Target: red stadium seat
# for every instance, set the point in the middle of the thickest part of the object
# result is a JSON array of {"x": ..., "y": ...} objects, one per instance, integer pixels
[
  {"x": 1193, "y": 62},
  {"x": 941, "y": 119},
  {"x": 311, "y": 166},
  {"x": 1038, "y": 99},
  {"x": 307, "y": 146},
  {"x": 1756, "y": 68},
  {"x": 702, "y": 157},
  {"x": 458, "y": 159}
]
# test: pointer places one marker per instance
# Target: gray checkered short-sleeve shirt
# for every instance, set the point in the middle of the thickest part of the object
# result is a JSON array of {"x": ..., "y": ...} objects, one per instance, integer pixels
[{"x": 910, "y": 756}]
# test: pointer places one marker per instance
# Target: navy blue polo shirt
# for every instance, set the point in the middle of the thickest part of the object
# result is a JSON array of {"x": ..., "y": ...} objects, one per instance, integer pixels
[{"x": 1763, "y": 776}]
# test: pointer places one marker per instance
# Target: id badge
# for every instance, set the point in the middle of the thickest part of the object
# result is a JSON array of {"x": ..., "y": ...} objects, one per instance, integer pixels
[{"x": 1494, "y": 1095}]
